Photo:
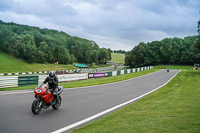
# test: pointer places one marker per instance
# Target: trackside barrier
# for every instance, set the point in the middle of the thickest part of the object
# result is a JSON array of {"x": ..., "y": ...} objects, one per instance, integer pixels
[
  {"x": 114, "y": 73},
  {"x": 109, "y": 74},
  {"x": 118, "y": 72},
  {"x": 121, "y": 72},
  {"x": 125, "y": 71},
  {"x": 27, "y": 80},
  {"x": 8, "y": 81},
  {"x": 14, "y": 81}
]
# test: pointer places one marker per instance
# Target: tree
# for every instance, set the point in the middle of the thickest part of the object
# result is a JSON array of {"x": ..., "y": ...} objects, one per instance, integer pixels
[
  {"x": 140, "y": 54},
  {"x": 136, "y": 56},
  {"x": 14, "y": 46},
  {"x": 94, "y": 55},
  {"x": 62, "y": 55},
  {"x": 153, "y": 55},
  {"x": 103, "y": 55},
  {"x": 30, "y": 50},
  {"x": 42, "y": 52},
  {"x": 72, "y": 59}
]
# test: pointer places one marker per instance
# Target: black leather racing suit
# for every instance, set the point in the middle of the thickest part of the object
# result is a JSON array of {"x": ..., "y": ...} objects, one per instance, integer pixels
[{"x": 53, "y": 84}]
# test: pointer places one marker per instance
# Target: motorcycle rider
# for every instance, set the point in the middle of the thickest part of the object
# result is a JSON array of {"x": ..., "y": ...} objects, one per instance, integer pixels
[
  {"x": 167, "y": 69},
  {"x": 52, "y": 81}
]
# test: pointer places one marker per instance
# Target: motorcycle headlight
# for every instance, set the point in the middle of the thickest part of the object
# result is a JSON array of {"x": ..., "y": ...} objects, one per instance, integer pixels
[{"x": 38, "y": 91}]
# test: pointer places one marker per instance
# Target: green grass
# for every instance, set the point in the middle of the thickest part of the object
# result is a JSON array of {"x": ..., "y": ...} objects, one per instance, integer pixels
[
  {"x": 172, "y": 109},
  {"x": 118, "y": 58},
  {"x": 173, "y": 67},
  {"x": 89, "y": 82},
  {"x": 93, "y": 66},
  {"x": 9, "y": 64}
]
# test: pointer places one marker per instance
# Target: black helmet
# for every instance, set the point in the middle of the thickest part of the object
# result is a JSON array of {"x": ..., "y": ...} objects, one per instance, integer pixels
[{"x": 51, "y": 74}]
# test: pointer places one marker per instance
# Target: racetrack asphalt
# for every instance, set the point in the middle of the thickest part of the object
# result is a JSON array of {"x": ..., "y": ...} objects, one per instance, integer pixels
[{"x": 77, "y": 104}]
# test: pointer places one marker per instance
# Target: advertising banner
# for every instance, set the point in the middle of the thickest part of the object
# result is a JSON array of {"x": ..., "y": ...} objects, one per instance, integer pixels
[
  {"x": 72, "y": 77},
  {"x": 98, "y": 75}
]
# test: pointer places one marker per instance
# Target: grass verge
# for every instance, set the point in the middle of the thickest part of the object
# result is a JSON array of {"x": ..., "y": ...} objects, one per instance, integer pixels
[
  {"x": 173, "y": 67},
  {"x": 89, "y": 82},
  {"x": 93, "y": 66},
  {"x": 173, "y": 109}
]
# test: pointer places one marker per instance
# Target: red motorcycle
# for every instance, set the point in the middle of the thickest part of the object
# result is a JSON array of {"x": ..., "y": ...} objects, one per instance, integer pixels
[{"x": 44, "y": 98}]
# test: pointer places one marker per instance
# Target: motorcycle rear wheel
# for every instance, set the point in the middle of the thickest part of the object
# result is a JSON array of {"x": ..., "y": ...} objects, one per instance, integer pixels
[
  {"x": 36, "y": 107},
  {"x": 57, "y": 103}
]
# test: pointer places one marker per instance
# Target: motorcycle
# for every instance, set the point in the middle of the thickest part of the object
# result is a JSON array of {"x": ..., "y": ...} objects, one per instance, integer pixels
[
  {"x": 167, "y": 69},
  {"x": 45, "y": 99}
]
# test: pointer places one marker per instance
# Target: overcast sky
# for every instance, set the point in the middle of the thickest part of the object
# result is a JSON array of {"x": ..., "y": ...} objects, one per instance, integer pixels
[{"x": 115, "y": 24}]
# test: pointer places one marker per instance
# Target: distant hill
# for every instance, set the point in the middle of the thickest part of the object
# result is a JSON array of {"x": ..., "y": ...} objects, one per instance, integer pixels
[
  {"x": 35, "y": 45},
  {"x": 118, "y": 58}
]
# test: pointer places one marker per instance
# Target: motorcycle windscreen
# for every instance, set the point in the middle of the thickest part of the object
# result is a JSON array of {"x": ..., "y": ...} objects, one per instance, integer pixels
[{"x": 42, "y": 86}]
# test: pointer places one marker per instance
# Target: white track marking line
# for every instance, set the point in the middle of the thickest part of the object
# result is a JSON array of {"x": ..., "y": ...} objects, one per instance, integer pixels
[
  {"x": 22, "y": 92},
  {"x": 64, "y": 129}
]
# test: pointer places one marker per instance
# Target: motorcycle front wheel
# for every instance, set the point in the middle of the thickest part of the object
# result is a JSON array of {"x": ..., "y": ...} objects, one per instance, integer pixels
[
  {"x": 57, "y": 103},
  {"x": 36, "y": 106}
]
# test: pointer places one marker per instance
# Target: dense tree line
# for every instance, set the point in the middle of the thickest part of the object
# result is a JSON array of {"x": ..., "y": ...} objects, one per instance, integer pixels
[
  {"x": 173, "y": 51},
  {"x": 43, "y": 45}
]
